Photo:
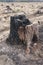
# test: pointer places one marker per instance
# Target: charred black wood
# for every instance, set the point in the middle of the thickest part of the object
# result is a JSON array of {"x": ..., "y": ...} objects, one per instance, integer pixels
[{"x": 15, "y": 23}]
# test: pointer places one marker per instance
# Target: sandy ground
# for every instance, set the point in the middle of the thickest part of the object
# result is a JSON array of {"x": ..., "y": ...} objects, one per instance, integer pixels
[{"x": 16, "y": 55}]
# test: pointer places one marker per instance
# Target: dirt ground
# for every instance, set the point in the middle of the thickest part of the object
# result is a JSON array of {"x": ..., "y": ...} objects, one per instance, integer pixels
[{"x": 15, "y": 54}]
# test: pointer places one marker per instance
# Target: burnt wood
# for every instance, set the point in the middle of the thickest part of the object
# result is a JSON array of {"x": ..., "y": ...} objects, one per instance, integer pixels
[{"x": 15, "y": 23}]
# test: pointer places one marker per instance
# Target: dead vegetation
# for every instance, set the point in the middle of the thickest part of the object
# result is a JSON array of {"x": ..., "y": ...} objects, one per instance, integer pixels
[{"x": 16, "y": 54}]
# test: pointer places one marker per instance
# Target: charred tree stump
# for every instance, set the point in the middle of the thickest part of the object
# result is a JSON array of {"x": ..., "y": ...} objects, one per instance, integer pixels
[{"x": 17, "y": 29}]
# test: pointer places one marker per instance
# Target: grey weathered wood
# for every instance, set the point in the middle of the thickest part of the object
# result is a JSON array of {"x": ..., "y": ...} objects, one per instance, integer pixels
[{"x": 41, "y": 33}]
